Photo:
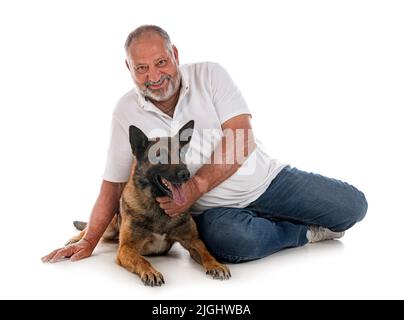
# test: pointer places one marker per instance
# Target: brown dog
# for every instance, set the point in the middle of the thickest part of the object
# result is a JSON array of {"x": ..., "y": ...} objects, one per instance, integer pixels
[{"x": 141, "y": 225}]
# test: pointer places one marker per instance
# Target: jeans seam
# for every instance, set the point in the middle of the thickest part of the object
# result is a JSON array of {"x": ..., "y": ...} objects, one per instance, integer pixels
[{"x": 239, "y": 258}]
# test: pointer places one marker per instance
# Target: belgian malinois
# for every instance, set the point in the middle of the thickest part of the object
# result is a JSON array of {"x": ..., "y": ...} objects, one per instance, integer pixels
[{"x": 141, "y": 225}]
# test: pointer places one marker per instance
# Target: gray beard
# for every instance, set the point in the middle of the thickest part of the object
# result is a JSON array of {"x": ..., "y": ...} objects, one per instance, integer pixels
[{"x": 159, "y": 95}]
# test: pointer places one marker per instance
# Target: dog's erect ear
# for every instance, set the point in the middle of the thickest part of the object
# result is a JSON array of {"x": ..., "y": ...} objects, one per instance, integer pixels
[
  {"x": 185, "y": 133},
  {"x": 138, "y": 141}
]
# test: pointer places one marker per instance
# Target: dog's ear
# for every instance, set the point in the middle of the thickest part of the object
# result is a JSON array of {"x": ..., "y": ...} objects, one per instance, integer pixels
[
  {"x": 138, "y": 141},
  {"x": 185, "y": 133}
]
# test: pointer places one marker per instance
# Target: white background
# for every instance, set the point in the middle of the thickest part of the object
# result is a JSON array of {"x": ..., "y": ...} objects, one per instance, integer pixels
[{"x": 325, "y": 83}]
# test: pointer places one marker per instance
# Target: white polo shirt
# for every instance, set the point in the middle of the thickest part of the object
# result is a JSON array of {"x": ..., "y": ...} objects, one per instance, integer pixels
[{"x": 209, "y": 97}]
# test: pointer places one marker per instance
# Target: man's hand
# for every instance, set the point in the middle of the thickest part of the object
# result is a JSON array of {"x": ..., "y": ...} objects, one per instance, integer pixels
[
  {"x": 173, "y": 209},
  {"x": 76, "y": 251}
]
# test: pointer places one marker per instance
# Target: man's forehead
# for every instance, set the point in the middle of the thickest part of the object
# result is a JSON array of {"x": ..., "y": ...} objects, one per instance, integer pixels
[{"x": 147, "y": 49}]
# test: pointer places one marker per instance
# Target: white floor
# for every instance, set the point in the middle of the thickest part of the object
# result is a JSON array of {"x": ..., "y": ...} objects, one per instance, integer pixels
[
  {"x": 359, "y": 266},
  {"x": 323, "y": 80}
]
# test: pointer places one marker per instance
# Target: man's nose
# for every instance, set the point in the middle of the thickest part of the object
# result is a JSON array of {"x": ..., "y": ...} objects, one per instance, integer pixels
[{"x": 154, "y": 74}]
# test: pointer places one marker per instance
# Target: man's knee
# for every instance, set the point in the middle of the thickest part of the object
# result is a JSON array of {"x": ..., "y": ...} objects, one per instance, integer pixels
[
  {"x": 227, "y": 247},
  {"x": 362, "y": 206},
  {"x": 353, "y": 209},
  {"x": 226, "y": 238}
]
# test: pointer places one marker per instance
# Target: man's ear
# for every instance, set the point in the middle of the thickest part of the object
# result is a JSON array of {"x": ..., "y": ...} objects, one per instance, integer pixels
[
  {"x": 185, "y": 133},
  {"x": 127, "y": 64},
  {"x": 138, "y": 142},
  {"x": 175, "y": 52}
]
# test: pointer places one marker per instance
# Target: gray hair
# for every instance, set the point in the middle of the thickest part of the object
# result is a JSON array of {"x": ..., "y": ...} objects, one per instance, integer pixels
[{"x": 148, "y": 29}]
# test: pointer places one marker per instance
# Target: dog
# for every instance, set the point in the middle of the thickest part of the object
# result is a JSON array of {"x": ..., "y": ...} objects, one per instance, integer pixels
[{"x": 141, "y": 226}]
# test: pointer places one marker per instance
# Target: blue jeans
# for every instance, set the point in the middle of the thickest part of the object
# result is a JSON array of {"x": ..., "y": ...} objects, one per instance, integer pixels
[{"x": 280, "y": 217}]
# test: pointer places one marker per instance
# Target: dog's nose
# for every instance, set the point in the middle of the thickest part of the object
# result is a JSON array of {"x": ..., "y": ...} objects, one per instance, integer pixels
[{"x": 183, "y": 175}]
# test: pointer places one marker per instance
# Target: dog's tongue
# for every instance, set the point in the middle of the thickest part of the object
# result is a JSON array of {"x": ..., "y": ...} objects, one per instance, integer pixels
[{"x": 178, "y": 193}]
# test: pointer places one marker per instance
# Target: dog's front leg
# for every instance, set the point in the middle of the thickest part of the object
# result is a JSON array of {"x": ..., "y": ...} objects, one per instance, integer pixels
[
  {"x": 200, "y": 254},
  {"x": 129, "y": 258},
  {"x": 187, "y": 235}
]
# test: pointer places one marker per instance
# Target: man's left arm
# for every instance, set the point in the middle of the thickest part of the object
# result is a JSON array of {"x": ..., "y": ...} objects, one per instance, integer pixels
[{"x": 236, "y": 145}]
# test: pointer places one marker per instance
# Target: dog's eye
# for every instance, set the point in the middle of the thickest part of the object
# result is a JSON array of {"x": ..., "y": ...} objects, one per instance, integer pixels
[
  {"x": 153, "y": 159},
  {"x": 163, "y": 156},
  {"x": 157, "y": 156}
]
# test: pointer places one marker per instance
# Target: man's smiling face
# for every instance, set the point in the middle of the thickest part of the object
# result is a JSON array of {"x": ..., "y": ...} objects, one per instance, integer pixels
[{"x": 153, "y": 67}]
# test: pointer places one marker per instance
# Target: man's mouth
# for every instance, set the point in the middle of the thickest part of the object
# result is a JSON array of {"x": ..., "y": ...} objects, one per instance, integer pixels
[
  {"x": 156, "y": 85},
  {"x": 174, "y": 190}
]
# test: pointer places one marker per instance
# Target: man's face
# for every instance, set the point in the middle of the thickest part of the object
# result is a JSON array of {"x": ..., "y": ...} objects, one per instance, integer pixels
[{"x": 154, "y": 70}]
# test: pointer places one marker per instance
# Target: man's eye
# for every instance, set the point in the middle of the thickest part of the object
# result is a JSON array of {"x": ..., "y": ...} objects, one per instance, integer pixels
[
  {"x": 141, "y": 69},
  {"x": 162, "y": 63}
]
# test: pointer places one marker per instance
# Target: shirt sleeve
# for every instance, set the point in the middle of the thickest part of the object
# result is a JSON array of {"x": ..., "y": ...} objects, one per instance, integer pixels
[
  {"x": 119, "y": 156},
  {"x": 227, "y": 98}
]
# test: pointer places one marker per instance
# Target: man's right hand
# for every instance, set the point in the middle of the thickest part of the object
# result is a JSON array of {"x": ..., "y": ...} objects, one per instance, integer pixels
[
  {"x": 75, "y": 251},
  {"x": 102, "y": 214}
]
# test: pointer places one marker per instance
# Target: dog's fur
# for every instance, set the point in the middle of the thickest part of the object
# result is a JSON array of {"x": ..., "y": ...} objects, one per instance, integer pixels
[{"x": 141, "y": 226}]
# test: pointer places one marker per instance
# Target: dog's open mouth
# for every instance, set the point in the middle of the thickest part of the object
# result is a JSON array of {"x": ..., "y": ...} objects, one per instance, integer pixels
[{"x": 173, "y": 190}]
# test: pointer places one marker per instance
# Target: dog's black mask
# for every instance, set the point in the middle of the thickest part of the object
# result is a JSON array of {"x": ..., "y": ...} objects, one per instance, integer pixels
[{"x": 159, "y": 162}]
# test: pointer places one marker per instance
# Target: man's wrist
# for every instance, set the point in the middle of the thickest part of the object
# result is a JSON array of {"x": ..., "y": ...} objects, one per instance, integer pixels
[
  {"x": 91, "y": 242},
  {"x": 199, "y": 186}
]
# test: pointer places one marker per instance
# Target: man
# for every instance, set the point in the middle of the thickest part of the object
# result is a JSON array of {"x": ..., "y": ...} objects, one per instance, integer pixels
[{"x": 245, "y": 209}]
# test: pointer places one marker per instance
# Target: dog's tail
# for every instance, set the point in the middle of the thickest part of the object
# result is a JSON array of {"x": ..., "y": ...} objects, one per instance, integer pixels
[{"x": 80, "y": 225}]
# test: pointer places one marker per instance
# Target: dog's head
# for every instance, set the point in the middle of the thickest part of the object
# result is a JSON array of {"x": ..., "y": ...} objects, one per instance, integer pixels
[{"x": 159, "y": 165}]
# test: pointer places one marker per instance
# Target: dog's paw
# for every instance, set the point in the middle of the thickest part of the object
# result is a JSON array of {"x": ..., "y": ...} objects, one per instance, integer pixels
[
  {"x": 75, "y": 239},
  {"x": 152, "y": 278},
  {"x": 219, "y": 271},
  {"x": 71, "y": 241}
]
